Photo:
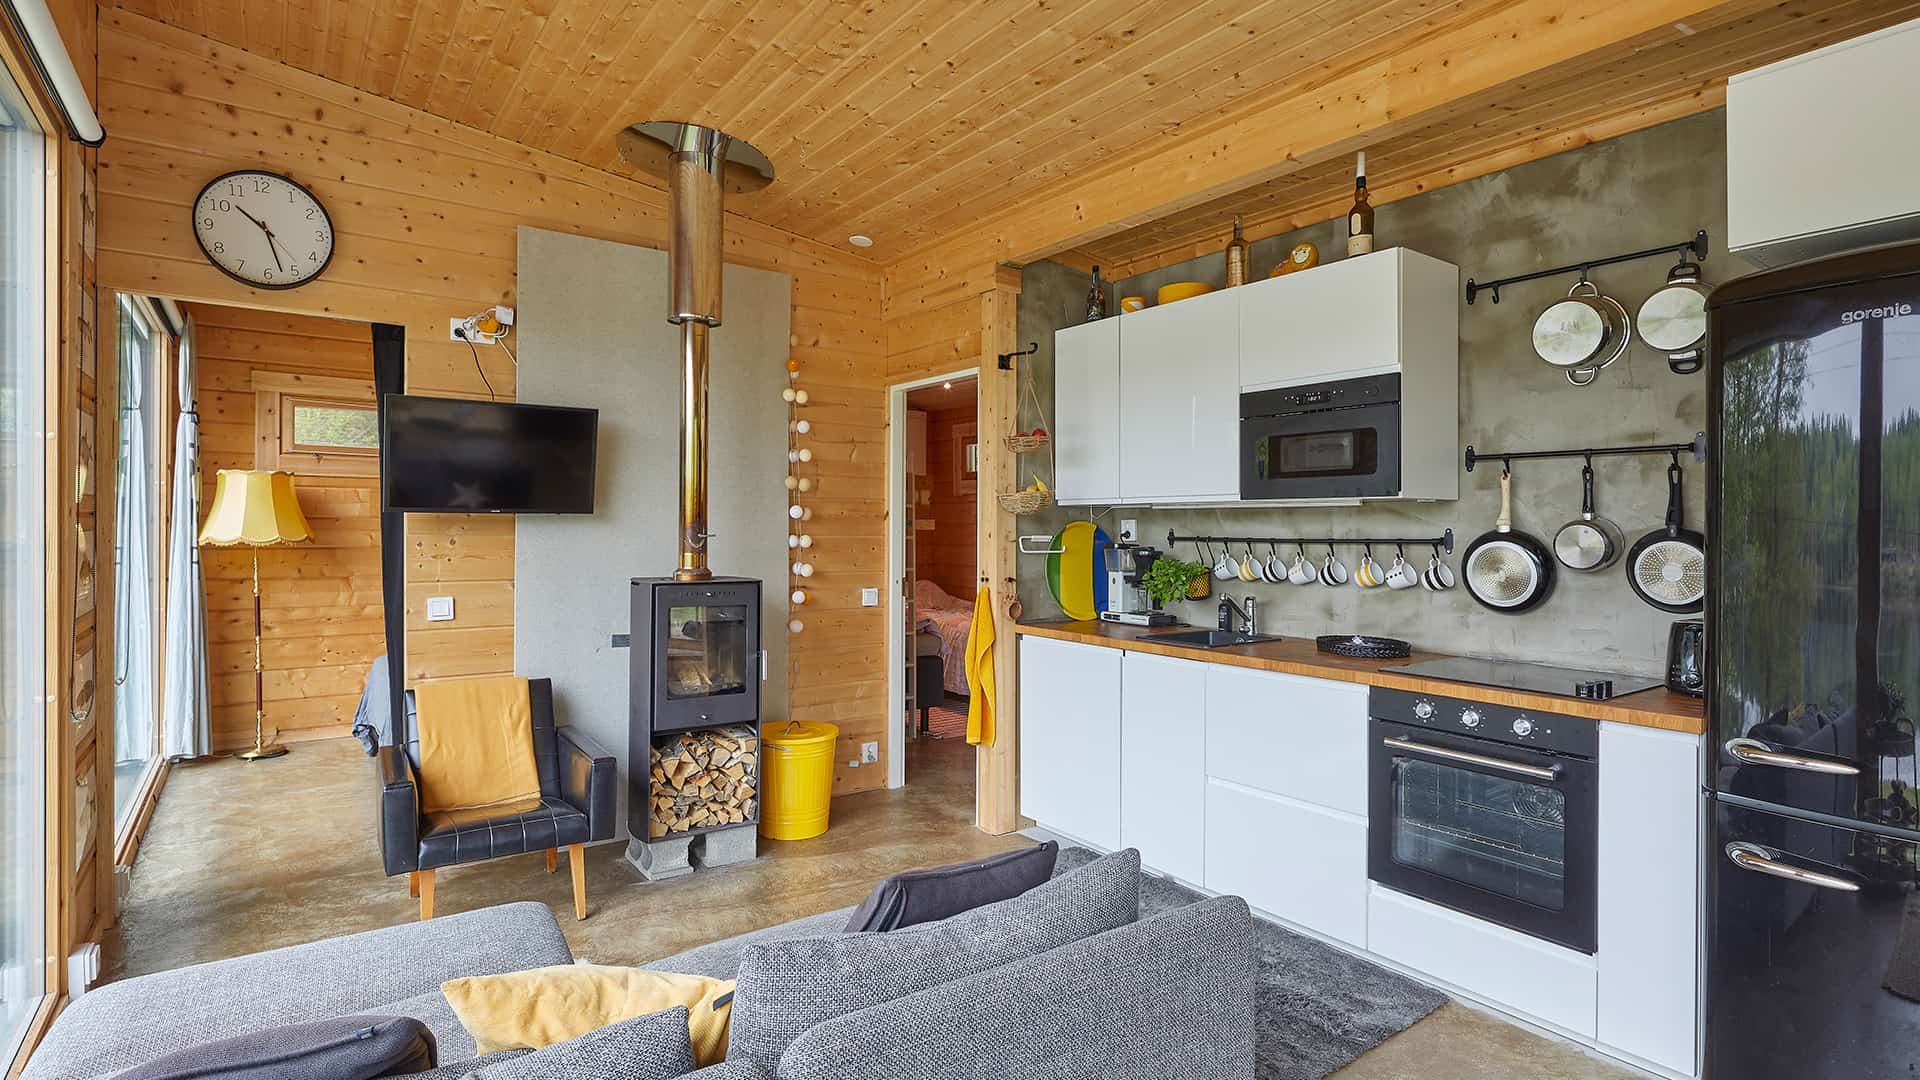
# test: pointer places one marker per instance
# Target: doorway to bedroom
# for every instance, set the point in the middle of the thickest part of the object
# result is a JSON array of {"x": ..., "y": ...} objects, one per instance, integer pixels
[{"x": 935, "y": 538}]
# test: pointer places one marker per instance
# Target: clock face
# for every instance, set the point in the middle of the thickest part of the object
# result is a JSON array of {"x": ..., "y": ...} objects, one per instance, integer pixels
[{"x": 263, "y": 229}]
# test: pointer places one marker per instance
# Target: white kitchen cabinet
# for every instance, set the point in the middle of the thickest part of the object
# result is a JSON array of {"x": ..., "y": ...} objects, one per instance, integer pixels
[
  {"x": 1180, "y": 401},
  {"x": 1163, "y": 763},
  {"x": 1070, "y": 738},
  {"x": 1305, "y": 864},
  {"x": 1086, "y": 407},
  {"x": 1649, "y": 893},
  {"x": 1302, "y": 738},
  {"x": 1503, "y": 967},
  {"x": 1820, "y": 155},
  {"x": 1393, "y": 310}
]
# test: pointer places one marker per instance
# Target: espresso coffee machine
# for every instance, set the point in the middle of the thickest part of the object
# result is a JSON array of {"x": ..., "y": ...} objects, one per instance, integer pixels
[{"x": 1127, "y": 599}]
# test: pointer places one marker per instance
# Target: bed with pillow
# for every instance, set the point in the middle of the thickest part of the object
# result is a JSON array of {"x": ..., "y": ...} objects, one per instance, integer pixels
[{"x": 952, "y": 620}]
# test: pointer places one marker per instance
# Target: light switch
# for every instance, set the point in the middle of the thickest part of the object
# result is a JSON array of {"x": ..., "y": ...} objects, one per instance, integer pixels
[
  {"x": 869, "y": 597},
  {"x": 439, "y": 609}
]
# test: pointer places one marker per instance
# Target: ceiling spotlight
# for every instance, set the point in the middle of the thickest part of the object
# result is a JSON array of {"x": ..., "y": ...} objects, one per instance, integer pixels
[
  {"x": 946, "y": 386},
  {"x": 860, "y": 240}
]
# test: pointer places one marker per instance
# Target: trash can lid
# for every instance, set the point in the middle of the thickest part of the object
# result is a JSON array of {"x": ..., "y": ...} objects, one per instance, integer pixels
[{"x": 798, "y": 732}]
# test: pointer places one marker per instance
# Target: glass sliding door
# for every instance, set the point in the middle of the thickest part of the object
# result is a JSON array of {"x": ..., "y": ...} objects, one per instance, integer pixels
[
  {"x": 24, "y": 216},
  {"x": 137, "y": 551}
]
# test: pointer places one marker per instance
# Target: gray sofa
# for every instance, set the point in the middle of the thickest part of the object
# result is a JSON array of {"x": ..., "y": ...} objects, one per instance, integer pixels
[{"x": 1169, "y": 997}]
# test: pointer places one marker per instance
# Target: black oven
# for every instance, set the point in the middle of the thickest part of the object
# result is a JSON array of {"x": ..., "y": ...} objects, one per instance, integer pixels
[
  {"x": 1331, "y": 440},
  {"x": 1488, "y": 810}
]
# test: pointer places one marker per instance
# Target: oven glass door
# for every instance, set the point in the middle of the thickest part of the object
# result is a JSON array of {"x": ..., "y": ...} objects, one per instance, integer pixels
[
  {"x": 1337, "y": 453},
  {"x": 1498, "y": 832}
]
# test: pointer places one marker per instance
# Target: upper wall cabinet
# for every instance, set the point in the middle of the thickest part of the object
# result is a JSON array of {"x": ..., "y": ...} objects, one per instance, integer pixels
[
  {"x": 1086, "y": 412},
  {"x": 1820, "y": 155},
  {"x": 1368, "y": 315},
  {"x": 1180, "y": 401}
]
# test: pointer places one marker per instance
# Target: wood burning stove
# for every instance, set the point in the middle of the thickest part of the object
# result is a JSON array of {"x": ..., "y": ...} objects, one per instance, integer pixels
[{"x": 695, "y": 664}]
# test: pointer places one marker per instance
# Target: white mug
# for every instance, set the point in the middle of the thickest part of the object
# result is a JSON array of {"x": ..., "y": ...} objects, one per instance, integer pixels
[
  {"x": 1225, "y": 568},
  {"x": 1402, "y": 574},
  {"x": 1302, "y": 572}
]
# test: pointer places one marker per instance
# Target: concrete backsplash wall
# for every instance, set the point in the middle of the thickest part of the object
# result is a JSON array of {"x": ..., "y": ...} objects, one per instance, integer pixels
[{"x": 1652, "y": 187}]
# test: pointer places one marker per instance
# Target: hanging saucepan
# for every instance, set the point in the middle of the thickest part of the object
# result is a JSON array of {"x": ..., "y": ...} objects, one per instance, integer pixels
[
  {"x": 1668, "y": 567},
  {"x": 1674, "y": 319},
  {"x": 1588, "y": 543},
  {"x": 1582, "y": 333},
  {"x": 1507, "y": 570}
]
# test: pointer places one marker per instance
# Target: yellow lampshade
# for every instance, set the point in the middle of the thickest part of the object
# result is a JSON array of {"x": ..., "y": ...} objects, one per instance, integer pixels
[{"x": 254, "y": 508}]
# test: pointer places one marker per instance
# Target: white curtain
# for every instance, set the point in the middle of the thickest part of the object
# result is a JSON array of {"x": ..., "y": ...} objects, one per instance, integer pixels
[
  {"x": 133, "y": 515},
  {"x": 186, "y": 731}
]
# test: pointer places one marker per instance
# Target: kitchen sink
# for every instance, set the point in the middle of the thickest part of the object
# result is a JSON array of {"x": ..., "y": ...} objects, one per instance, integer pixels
[{"x": 1213, "y": 639}]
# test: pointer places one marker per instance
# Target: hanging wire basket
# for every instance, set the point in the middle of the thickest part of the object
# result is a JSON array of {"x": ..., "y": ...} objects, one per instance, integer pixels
[
  {"x": 1026, "y": 502},
  {"x": 1029, "y": 500}
]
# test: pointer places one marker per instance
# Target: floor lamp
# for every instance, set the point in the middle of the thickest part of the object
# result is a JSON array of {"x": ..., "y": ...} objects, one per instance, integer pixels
[{"x": 256, "y": 508}]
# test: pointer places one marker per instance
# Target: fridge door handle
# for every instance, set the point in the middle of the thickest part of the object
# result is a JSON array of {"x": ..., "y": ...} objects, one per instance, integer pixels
[
  {"x": 1762, "y": 861},
  {"x": 1755, "y": 752}
]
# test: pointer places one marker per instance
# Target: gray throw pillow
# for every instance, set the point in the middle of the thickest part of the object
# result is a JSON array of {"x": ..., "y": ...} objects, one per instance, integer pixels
[
  {"x": 924, "y": 896},
  {"x": 786, "y": 987},
  {"x": 344, "y": 1048},
  {"x": 650, "y": 1047}
]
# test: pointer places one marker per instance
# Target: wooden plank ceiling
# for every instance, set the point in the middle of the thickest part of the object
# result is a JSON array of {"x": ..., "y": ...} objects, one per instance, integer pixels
[{"x": 910, "y": 120}]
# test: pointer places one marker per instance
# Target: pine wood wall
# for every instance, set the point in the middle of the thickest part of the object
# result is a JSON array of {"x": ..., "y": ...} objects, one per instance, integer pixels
[
  {"x": 944, "y": 554},
  {"x": 425, "y": 211},
  {"x": 320, "y": 602}
]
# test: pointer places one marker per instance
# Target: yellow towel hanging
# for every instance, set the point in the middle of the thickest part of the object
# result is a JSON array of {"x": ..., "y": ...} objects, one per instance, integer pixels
[{"x": 980, "y": 671}]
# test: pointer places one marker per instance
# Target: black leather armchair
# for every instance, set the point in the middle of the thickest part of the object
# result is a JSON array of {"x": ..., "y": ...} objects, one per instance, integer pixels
[{"x": 577, "y": 805}]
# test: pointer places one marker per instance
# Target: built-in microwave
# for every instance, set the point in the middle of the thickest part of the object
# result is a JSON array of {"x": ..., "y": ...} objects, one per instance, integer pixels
[{"x": 1328, "y": 440}]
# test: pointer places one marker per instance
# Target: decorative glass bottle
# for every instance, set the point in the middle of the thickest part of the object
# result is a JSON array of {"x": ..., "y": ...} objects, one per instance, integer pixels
[
  {"x": 1236, "y": 257},
  {"x": 1096, "y": 299}
]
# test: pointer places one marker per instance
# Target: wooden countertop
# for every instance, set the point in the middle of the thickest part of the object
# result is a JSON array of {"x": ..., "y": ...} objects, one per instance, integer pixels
[{"x": 1656, "y": 708}]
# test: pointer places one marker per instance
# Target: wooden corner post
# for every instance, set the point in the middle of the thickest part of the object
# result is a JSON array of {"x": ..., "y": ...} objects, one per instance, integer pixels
[{"x": 997, "y": 767}]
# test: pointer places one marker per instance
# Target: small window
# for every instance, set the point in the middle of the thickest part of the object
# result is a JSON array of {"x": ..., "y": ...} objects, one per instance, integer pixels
[{"x": 319, "y": 425}]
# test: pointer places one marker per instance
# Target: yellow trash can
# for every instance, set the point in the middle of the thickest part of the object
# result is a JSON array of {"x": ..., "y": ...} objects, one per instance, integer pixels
[{"x": 796, "y": 778}]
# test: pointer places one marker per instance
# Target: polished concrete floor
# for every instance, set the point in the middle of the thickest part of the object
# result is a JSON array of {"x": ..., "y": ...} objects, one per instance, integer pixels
[{"x": 243, "y": 857}]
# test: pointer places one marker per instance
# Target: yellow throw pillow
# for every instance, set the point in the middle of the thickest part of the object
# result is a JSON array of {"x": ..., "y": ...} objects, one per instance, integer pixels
[{"x": 543, "y": 1006}]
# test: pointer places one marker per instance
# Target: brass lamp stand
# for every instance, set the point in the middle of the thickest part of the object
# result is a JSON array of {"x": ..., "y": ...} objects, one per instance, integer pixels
[{"x": 258, "y": 509}]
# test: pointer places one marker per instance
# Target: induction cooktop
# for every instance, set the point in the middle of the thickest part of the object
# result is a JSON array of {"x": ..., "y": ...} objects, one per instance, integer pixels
[{"x": 1533, "y": 678}]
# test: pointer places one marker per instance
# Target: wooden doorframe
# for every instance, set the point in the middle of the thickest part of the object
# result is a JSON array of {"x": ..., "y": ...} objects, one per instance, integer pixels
[{"x": 899, "y": 520}]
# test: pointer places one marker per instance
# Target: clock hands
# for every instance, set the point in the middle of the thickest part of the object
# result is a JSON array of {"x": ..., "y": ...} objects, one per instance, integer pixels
[{"x": 272, "y": 249}]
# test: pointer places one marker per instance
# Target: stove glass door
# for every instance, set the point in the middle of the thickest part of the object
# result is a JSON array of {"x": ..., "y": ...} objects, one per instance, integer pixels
[
  {"x": 1505, "y": 836},
  {"x": 709, "y": 650}
]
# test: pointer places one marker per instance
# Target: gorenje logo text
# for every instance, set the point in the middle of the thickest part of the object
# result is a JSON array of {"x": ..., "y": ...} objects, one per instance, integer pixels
[{"x": 1891, "y": 311}]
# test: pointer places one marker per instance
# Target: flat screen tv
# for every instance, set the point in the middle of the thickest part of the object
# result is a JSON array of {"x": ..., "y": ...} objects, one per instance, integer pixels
[{"x": 456, "y": 456}]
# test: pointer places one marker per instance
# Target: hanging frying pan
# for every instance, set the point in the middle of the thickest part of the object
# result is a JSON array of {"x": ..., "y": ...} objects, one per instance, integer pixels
[
  {"x": 1674, "y": 319},
  {"x": 1507, "y": 570},
  {"x": 1668, "y": 567},
  {"x": 1588, "y": 543}
]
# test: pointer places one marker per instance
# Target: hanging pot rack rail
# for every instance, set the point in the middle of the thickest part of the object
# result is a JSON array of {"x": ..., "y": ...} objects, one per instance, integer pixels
[
  {"x": 1697, "y": 247},
  {"x": 1444, "y": 541},
  {"x": 1698, "y": 448}
]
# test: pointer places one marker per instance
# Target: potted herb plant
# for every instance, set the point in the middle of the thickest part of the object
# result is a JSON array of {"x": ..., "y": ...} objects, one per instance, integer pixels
[{"x": 1169, "y": 579}]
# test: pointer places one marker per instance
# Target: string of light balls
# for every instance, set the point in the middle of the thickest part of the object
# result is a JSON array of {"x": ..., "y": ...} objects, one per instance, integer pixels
[{"x": 798, "y": 539}]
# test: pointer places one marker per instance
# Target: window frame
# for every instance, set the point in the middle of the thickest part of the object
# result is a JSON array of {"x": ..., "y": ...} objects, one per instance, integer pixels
[
  {"x": 276, "y": 393},
  {"x": 290, "y": 441}
]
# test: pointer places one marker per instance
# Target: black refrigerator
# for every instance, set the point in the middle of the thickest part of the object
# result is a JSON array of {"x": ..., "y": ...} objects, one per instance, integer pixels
[{"x": 1813, "y": 920}]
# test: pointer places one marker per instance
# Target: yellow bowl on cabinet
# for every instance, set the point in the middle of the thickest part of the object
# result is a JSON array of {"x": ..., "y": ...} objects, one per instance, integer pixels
[
  {"x": 1181, "y": 290},
  {"x": 1132, "y": 303}
]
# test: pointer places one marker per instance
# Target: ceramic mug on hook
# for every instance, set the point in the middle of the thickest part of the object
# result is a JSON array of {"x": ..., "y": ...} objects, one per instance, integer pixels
[
  {"x": 1224, "y": 567},
  {"x": 1401, "y": 575},
  {"x": 1249, "y": 566},
  {"x": 1301, "y": 572},
  {"x": 1332, "y": 570},
  {"x": 1275, "y": 567}
]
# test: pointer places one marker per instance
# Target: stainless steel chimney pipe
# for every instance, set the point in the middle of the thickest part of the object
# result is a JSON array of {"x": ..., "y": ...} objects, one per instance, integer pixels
[{"x": 700, "y": 165}]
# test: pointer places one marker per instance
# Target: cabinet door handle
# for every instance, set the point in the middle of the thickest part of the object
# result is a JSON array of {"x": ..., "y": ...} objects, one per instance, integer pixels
[
  {"x": 1761, "y": 861},
  {"x": 1755, "y": 752},
  {"x": 1538, "y": 772}
]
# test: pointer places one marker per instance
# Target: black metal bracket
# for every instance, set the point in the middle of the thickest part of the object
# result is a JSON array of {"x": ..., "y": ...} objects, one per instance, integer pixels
[
  {"x": 1007, "y": 358},
  {"x": 1506, "y": 458},
  {"x": 1444, "y": 541},
  {"x": 1697, "y": 247}
]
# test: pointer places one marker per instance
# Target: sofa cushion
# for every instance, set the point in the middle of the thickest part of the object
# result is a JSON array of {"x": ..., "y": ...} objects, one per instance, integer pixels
[
  {"x": 721, "y": 959},
  {"x": 1170, "y": 997},
  {"x": 650, "y": 1047},
  {"x": 547, "y": 1006},
  {"x": 343, "y": 1048},
  {"x": 924, "y": 896},
  {"x": 787, "y": 987}
]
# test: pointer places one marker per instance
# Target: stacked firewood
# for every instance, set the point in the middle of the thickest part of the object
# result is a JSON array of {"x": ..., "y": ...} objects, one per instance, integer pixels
[{"x": 704, "y": 779}]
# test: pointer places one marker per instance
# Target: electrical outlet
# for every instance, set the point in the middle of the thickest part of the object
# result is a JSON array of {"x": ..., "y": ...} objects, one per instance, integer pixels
[
  {"x": 869, "y": 753},
  {"x": 869, "y": 597},
  {"x": 439, "y": 609},
  {"x": 1129, "y": 530}
]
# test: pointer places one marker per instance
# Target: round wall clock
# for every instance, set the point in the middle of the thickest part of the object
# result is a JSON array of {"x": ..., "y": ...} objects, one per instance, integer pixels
[{"x": 262, "y": 229}]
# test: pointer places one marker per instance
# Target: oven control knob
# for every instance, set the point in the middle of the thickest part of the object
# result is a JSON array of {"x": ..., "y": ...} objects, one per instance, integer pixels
[
  {"x": 1423, "y": 709},
  {"x": 1470, "y": 718},
  {"x": 1523, "y": 727}
]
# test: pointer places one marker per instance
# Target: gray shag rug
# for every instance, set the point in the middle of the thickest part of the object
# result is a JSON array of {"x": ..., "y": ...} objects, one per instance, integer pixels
[{"x": 1317, "y": 1008}]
